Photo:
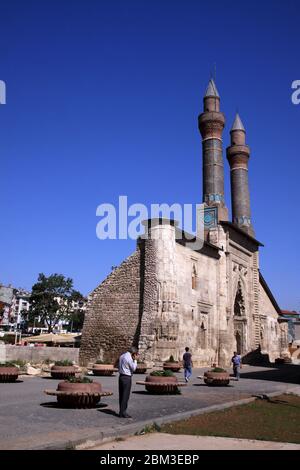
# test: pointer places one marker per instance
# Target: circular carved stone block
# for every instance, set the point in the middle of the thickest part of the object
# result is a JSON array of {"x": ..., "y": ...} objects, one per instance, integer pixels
[
  {"x": 216, "y": 378},
  {"x": 78, "y": 401},
  {"x": 173, "y": 366},
  {"x": 78, "y": 395},
  {"x": 141, "y": 368},
  {"x": 103, "y": 369},
  {"x": 79, "y": 387},
  {"x": 8, "y": 374},
  {"x": 160, "y": 385},
  {"x": 63, "y": 372}
]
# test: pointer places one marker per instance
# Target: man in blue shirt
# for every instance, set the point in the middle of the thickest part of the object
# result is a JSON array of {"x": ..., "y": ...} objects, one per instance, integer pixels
[
  {"x": 127, "y": 366},
  {"x": 187, "y": 364},
  {"x": 237, "y": 364}
]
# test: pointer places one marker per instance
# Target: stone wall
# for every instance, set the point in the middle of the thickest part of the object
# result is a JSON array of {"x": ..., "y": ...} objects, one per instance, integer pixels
[
  {"x": 197, "y": 305},
  {"x": 36, "y": 355},
  {"x": 112, "y": 320},
  {"x": 178, "y": 311},
  {"x": 149, "y": 295},
  {"x": 270, "y": 330}
]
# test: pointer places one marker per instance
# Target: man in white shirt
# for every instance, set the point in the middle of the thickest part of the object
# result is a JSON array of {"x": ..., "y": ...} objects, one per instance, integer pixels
[{"x": 127, "y": 365}]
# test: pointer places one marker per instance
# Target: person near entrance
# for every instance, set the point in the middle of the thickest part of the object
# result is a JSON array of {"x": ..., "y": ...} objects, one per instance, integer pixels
[
  {"x": 187, "y": 364},
  {"x": 236, "y": 364},
  {"x": 127, "y": 365}
]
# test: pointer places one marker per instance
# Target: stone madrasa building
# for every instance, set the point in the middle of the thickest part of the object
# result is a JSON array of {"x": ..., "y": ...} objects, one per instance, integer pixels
[{"x": 166, "y": 296}]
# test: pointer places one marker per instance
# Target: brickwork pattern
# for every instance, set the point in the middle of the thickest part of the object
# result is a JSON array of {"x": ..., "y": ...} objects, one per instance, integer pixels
[{"x": 113, "y": 314}]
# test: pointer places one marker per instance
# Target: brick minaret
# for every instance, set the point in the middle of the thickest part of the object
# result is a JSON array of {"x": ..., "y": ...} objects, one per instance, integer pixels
[
  {"x": 238, "y": 155},
  {"x": 211, "y": 124}
]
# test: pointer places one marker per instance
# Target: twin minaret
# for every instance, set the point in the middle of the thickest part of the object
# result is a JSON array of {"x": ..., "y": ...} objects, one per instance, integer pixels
[{"x": 211, "y": 125}]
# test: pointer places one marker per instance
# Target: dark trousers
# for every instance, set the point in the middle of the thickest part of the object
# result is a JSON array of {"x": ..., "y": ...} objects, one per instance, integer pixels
[
  {"x": 236, "y": 371},
  {"x": 124, "y": 392}
]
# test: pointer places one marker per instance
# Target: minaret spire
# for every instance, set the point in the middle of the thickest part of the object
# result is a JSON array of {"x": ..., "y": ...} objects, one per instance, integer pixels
[
  {"x": 238, "y": 154},
  {"x": 237, "y": 124},
  {"x": 211, "y": 89},
  {"x": 211, "y": 124}
]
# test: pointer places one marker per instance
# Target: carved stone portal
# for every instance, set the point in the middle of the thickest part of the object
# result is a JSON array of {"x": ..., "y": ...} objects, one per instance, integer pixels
[{"x": 240, "y": 321}]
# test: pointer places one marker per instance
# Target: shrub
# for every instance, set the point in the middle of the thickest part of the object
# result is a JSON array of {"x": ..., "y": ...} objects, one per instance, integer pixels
[
  {"x": 101, "y": 362},
  {"x": 7, "y": 364},
  {"x": 66, "y": 362},
  {"x": 171, "y": 359},
  {"x": 79, "y": 380},
  {"x": 154, "y": 427},
  {"x": 8, "y": 339},
  {"x": 218, "y": 369},
  {"x": 162, "y": 373},
  {"x": 19, "y": 362}
]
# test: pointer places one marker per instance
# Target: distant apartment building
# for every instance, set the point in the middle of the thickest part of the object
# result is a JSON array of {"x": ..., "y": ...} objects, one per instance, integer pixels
[
  {"x": 20, "y": 305},
  {"x": 79, "y": 305},
  {"x": 6, "y": 300},
  {"x": 13, "y": 303}
]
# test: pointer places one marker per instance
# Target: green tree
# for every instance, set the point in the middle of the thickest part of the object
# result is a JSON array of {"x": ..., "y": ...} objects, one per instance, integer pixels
[
  {"x": 52, "y": 299},
  {"x": 76, "y": 320}
]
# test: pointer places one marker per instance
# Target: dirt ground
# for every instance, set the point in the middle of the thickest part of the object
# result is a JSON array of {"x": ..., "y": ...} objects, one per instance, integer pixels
[{"x": 162, "y": 441}]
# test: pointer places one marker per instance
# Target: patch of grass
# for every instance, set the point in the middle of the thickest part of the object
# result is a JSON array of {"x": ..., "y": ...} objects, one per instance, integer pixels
[
  {"x": 79, "y": 380},
  {"x": 66, "y": 362},
  {"x": 70, "y": 446},
  {"x": 20, "y": 363},
  {"x": 274, "y": 419},
  {"x": 154, "y": 427},
  {"x": 162, "y": 373}
]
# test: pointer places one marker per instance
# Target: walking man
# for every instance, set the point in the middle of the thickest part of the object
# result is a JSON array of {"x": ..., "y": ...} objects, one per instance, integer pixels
[
  {"x": 127, "y": 365},
  {"x": 187, "y": 364},
  {"x": 237, "y": 364}
]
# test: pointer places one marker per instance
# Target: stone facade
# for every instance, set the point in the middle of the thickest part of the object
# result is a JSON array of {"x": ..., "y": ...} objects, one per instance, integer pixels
[
  {"x": 167, "y": 296},
  {"x": 113, "y": 312}
]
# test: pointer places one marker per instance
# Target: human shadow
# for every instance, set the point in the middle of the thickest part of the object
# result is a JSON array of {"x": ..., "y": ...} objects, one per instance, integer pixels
[
  {"x": 145, "y": 392},
  {"x": 109, "y": 412}
]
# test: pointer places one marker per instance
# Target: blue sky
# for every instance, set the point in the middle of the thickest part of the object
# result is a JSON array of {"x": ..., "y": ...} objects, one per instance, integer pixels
[{"x": 103, "y": 99}]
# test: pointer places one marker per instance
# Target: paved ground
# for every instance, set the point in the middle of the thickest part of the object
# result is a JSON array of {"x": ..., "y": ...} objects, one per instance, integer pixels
[
  {"x": 30, "y": 419},
  {"x": 161, "y": 441}
]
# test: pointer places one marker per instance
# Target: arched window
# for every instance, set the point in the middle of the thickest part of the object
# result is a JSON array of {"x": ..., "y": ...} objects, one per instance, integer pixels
[
  {"x": 203, "y": 335},
  {"x": 238, "y": 342},
  {"x": 194, "y": 277},
  {"x": 239, "y": 303}
]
